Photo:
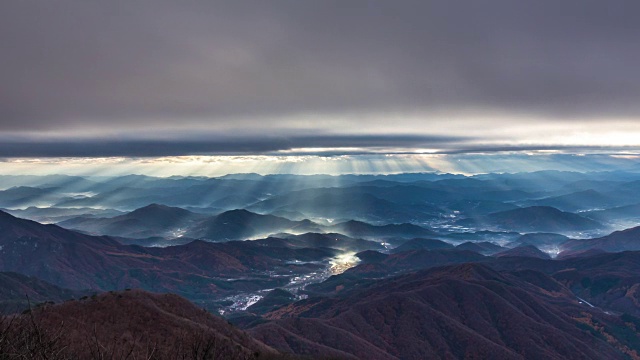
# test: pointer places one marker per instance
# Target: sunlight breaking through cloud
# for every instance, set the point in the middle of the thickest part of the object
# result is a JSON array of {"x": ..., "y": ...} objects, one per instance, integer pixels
[{"x": 315, "y": 164}]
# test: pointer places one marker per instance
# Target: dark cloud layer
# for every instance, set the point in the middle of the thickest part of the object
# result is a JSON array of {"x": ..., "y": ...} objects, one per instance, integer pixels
[
  {"x": 69, "y": 66},
  {"x": 218, "y": 146},
  {"x": 326, "y": 145}
]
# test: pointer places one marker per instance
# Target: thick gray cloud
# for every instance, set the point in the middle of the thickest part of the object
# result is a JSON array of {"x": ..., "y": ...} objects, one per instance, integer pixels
[
  {"x": 237, "y": 66},
  {"x": 217, "y": 146},
  {"x": 323, "y": 145}
]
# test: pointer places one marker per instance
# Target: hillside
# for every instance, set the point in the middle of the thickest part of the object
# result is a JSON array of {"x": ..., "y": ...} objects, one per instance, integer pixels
[
  {"x": 361, "y": 229},
  {"x": 425, "y": 244},
  {"x": 148, "y": 221},
  {"x": 17, "y": 291},
  {"x": 581, "y": 200},
  {"x": 196, "y": 270},
  {"x": 524, "y": 251},
  {"x": 243, "y": 224},
  {"x": 453, "y": 312},
  {"x": 534, "y": 219},
  {"x": 624, "y": 240},
  {"x": 137, "y": 324}
]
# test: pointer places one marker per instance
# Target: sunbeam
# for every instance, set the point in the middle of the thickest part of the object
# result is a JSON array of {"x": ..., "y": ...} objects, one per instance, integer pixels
[{"x": 314, "y": 164}]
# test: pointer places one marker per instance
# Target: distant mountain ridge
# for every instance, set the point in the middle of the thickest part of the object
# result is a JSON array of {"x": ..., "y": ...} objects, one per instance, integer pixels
[
  {"x": 624, "y": 240},
  {"x": 534, "y": 219},
  {"x": 151, "y": 220},
  {"x": 581, "y": 200},
  {"x": 524, "y": 251},
  {"x": 77, "y": 261},
  {"x": 243, "y": 224},
  {"x": 361, "y": 229}
]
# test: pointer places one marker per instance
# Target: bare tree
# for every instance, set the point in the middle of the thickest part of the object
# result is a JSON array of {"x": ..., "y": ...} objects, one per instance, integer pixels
[{"x": 24, "y": 337}]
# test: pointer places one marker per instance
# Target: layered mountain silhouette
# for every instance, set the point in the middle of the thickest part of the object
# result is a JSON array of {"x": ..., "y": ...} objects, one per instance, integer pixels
[
  {"x": 627, "y": 212},
  {"x": 540, "y": 239},
  {"x": 581, "y": 200},
  {"x": 481, "y": 247},
  {"x": 534, "y": 219},
  {"x": 424, "y": 244},
  {"x": 473, "y": 208},
  {"x": 402, "y": 266},
  {"x": 360, "y": 229},
  {"x": 50, "y": 215},
  {"x": 170, "y": 222},
  {"x": 324, "y": 240},
  {"x": 623, "y": 240},
  {"x": 243, "y": 224},
  {"x": 524, "y": 251},
  {"x": 22, "y": 196},
  {"x": 77, "y": 261},
  {"x": 340, "y": 203},
  {"x": 151, "y": 220}
]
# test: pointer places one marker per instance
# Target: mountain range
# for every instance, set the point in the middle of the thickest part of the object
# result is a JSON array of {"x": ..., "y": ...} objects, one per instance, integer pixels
[
  {"x": 407, "y": 266},
  {"x": 533, "y": 219}
]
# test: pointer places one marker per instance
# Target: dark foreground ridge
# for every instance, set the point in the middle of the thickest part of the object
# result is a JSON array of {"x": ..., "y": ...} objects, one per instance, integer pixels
[
  {"x": 129, "y": 324},
  {"x": 457, "y": 312}
]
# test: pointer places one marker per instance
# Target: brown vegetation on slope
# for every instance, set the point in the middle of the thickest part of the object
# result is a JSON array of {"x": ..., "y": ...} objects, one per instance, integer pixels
[
  {"x": 458, "y": 312},
  {"x": 126, "y": 325}
]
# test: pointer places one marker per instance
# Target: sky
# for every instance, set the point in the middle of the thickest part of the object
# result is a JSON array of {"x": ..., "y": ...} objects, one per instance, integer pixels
[{"x": 287, "y": 81}]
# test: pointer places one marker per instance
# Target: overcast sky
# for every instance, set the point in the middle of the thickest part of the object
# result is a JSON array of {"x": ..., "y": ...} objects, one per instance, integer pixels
[{"x": 163, "y": 78}]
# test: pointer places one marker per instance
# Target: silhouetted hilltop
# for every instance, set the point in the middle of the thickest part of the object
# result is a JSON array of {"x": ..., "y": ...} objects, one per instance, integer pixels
[{"x": 139, "y": 324}]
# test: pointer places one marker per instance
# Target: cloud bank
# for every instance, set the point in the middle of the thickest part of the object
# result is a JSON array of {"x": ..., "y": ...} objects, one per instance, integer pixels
[{"x": 156, "y": 72}]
